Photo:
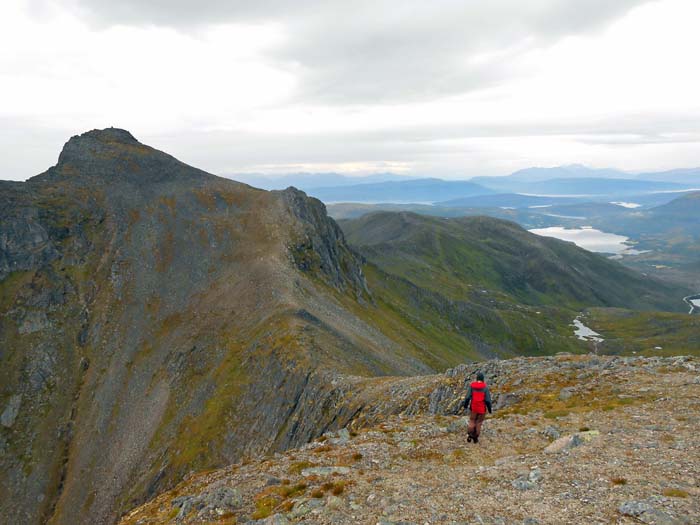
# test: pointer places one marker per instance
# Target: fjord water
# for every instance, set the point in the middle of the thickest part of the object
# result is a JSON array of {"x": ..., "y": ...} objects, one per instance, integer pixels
[{"x": 588, "y": 238}]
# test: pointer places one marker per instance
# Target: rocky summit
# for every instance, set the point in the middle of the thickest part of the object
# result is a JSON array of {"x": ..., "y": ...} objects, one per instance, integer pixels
[
  {"x": 157, "y": 321},
  {"x": 573, "y": 439}
]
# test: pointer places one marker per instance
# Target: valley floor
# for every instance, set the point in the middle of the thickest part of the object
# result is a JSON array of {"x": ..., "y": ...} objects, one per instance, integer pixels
[{"x": 578, "y": 439}]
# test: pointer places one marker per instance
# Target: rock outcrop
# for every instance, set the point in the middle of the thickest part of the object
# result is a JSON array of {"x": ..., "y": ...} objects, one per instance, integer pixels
[{"x": 635, "y": 458}]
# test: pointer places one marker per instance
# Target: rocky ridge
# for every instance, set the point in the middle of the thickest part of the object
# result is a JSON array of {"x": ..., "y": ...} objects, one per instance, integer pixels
[{"x": 582, "y": 439}]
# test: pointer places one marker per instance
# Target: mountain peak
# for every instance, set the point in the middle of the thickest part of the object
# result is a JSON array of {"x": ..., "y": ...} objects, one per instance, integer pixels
[
  {"x": 108, "y": 135},
  {"x": 103, "y": 136},
  {"x": 95, "y": 143}
]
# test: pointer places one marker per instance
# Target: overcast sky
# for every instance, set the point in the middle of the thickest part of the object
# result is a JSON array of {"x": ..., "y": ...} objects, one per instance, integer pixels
[{"x": 442, "y": 88}]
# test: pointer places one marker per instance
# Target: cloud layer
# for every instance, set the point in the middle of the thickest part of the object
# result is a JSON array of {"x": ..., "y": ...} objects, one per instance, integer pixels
[
  {"x": 448, "y": 88},
  {"x": 382, "y": 51}
]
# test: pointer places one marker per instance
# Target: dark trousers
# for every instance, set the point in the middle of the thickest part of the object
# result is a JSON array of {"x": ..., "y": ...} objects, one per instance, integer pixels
[{"x": 475, "y": 421}]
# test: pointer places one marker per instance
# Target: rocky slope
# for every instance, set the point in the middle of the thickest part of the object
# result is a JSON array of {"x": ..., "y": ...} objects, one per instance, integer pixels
[{"x": 573, "y": 439}]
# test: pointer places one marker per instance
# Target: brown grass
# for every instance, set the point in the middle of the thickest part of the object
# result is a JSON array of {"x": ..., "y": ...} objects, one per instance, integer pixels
[
  {"x": 336, "y": 488},
  {"x": 675, "y": 493},
  {"x": 298, "y": 466},
  {"x": 618, "y": 481}
]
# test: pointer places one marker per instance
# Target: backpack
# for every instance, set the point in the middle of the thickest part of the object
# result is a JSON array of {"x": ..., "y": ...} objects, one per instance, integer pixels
[{"x": 478, "y": 404}]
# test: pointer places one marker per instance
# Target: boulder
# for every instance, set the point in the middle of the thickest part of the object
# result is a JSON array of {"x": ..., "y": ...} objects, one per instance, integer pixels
[
  {"x": 9, "y": 415},
  {"x": 566, "y": 393},
  {"x": 522, "y": 483},
  {"x": 646, "y": 513},
  {"x": 324, "y": 471},
  {"x": 342, "y": 439},
  {"x": 563, "y": 443},
  {"x": 210, "y": 504},
  {"x": 571, "y": 441},
  {"x": 535, "y": 475},
  {"x": 458, "y": 425},
  {"x": 506, "y": 400},
  {"x": 551, "y": 432},
  {"x": 275, "y": 519}
]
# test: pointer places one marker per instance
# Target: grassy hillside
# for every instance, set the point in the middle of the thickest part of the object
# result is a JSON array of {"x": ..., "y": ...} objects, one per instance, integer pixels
[
  {"x": 645, "y": 333},
  {"x": 473, "y": 256},
  {"x": 685, "y": 207}
]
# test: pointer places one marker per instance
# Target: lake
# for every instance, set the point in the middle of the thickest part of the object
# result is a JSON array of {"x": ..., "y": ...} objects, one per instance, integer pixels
[{"x": 588, "y": 238}]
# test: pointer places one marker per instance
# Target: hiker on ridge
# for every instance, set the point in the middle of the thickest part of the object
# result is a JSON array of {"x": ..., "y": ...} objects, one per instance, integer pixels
[{"x": 478, "y": 400}]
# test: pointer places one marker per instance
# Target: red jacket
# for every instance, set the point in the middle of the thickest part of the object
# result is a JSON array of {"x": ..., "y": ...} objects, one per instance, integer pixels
[{"x": 479, "y": 397}]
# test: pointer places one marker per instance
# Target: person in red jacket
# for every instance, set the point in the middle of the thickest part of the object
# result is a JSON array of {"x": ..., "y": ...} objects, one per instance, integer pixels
[{"x": 478, "y": 400}]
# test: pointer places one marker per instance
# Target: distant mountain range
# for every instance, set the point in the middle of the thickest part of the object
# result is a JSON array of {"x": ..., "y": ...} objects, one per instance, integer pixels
[
  {"x": 528, "y": 187},
  {"x": 590, "y": 181},
  {"x": 559, "y": 172},
  {"x": 415, "y": 190},
  {"x": 683, "y": 176},
  {"x": 306, "y": 181},
  {"x": 688, "y": 206},
  {"x": 501, "y": 191},
  {"x": 508, "y": 200},
  {"x": 587, "y": 187},
  {"x": 678, "y": 218}
]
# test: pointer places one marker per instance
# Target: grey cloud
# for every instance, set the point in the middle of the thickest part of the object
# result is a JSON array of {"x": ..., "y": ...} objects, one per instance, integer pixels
[
  {"x": 435, "y": 150},
  {"x": 395, "y": 51},
  {"x": 381, "y": 51},
  {"x": 634, "y": 140},
  {"x": 177, "y": 13},
  {"x": 28, "y": 147}
]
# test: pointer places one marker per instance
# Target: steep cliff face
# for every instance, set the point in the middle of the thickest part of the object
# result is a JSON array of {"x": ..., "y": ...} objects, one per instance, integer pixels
[
  {"x": 157, "y": 319},
  {"x": 319, "y": 244}
]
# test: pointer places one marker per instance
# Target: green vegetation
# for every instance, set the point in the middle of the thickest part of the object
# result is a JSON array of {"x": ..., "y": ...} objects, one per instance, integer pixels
[
  {"x": 475, "y": 257},
  {"x": 547, "y": 400},
  {"x": 278, "y": 498},
  {"x": 451, "y": 290},
  {"x": 645, "y": 333},
  {"x": 296, "y": 468},
  {"x": 675, "y": 493}
]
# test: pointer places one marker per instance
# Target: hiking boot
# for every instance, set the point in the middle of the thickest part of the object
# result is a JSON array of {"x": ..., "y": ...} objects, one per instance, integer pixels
[
  {"x": 475, "y": 439},
  {"x": 469, "y": 438}
]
